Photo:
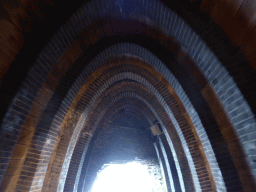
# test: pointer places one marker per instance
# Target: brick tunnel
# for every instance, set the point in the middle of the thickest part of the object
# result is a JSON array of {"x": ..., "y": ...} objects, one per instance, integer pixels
[{"x": 86, "y": 83}]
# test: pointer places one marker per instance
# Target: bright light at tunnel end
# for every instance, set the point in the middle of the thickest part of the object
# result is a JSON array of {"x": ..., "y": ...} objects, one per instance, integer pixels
[{"x": 130, "y": 177}]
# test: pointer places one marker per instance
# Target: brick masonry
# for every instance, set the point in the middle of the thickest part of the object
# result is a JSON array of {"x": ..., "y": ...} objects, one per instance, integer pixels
[
  {"x": 236, "y": 107},
  {"x": 111, "y": 110}
]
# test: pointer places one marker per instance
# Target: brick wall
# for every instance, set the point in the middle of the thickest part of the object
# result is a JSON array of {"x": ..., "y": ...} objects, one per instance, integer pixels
[
  {"x": 111, "y": 91},
  {"x": 38, "y": 130}
]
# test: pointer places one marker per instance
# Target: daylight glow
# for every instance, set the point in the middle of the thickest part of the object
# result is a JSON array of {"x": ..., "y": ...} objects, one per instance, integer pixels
[{"x": 124, "y": 178}]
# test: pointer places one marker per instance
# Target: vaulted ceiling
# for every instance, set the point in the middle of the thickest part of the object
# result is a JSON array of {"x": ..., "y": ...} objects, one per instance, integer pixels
[{"x": 82, "y": 82}]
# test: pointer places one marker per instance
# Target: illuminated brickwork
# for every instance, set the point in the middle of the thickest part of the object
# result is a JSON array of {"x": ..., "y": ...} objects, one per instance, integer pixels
[{"x": 189, "y": 67}]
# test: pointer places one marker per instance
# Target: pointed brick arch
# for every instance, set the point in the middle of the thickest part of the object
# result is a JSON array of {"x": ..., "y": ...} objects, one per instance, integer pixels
[{"x": 40, "y": 96}]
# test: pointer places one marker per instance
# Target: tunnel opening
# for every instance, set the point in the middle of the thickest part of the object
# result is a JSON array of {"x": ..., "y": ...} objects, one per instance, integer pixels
[{"x": 138, "y": 175}]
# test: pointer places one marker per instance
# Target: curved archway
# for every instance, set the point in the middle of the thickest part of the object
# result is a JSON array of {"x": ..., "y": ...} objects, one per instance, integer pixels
[{"x": 53, "y": 86}]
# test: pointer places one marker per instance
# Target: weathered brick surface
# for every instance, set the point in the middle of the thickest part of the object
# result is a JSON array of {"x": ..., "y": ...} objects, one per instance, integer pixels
[
  {"x": 225, "y": 88},
  {"x": 55, "y": 165},
  {"x": 150, "y": 100},
  {"x": 104, "y": 124}
]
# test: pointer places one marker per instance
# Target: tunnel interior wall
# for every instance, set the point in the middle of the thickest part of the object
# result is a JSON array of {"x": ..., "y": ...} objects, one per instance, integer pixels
[{"x": 204, "y": 96}]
